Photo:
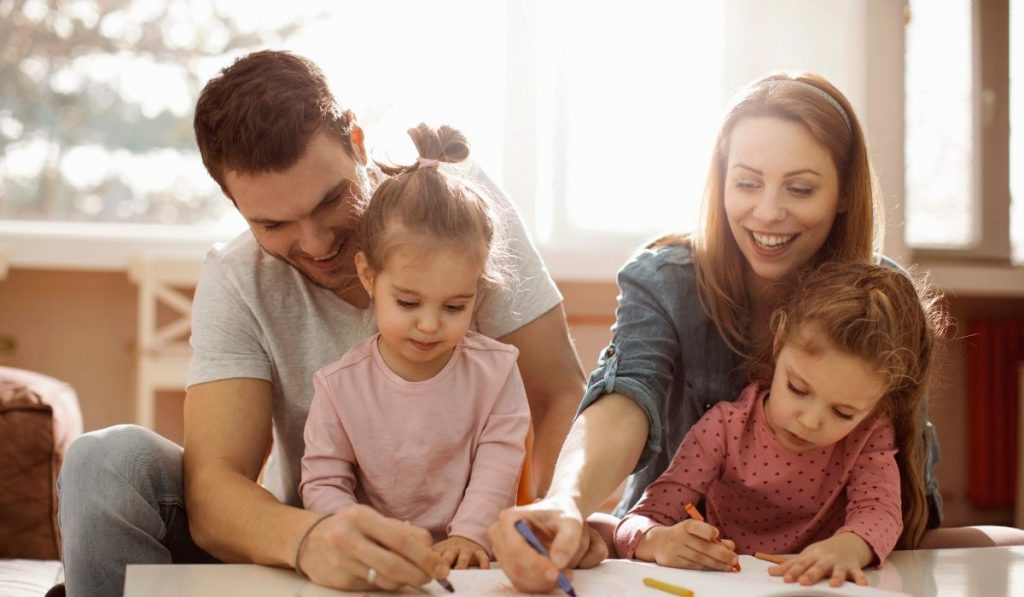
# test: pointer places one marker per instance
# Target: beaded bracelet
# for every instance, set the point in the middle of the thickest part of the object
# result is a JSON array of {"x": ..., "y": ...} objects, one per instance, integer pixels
[{"x": 302, "y": 542}]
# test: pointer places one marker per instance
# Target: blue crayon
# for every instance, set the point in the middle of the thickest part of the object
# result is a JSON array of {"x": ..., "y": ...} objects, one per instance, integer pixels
[{"x": 527, "y": 533}]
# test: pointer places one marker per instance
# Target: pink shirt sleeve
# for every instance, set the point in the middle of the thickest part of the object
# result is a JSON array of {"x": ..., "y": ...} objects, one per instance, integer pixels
[
  {"x": 498, "y": 461},
  {"x": 873, "y": 510},
  {"x": 697, "y": 463},
  {"x": 328, "y": 473}
]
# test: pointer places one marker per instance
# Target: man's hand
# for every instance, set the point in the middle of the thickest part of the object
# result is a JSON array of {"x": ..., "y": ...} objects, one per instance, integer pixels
[
  {"x": 342, "y": 550},
  {"x": 460, "y": 553},
  {"x": 558, "y": 525},
  {"x": 688, "y": 544},
  {"x": 840, "y": 557}
]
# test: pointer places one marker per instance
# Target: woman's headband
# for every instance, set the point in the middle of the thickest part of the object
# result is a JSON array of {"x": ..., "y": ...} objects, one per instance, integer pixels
[{"x": 818, "y": 90}]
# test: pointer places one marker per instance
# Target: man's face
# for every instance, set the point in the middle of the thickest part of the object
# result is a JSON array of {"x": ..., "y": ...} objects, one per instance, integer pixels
[{"x": 306, "y": 214}]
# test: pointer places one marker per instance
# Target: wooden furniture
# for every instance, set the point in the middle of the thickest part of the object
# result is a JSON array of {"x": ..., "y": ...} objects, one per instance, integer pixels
[{"x": 164, "y": 323}]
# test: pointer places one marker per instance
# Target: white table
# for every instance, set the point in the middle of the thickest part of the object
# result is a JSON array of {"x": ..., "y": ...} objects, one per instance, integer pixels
[{"x": 982, "y": 572}]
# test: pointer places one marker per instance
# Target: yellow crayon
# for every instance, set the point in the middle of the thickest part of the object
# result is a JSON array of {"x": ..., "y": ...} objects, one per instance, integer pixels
[{"x": 667, "y": 587}]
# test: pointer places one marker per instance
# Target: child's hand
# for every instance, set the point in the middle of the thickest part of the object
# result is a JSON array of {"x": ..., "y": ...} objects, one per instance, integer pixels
[
  {"x": 688, "y": 544},
  {"x": 460, "y": 552},
  {"x": 842, "y": 556}
]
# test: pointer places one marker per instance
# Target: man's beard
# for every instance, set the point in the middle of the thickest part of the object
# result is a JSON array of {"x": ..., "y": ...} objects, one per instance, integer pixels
[
  {"x": 337, "y": 280},
  {"x": 343, "y": 279}
]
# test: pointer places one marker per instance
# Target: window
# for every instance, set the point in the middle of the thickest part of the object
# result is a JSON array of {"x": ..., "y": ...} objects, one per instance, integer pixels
[
  {"x": 962, "y": 60},
  {"x": 563, "y": 103},
  {"x": 597, "y": 118}
]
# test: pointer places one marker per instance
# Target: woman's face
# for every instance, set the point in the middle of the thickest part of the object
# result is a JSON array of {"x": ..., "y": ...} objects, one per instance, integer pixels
[{"x": 781, "y": 195}]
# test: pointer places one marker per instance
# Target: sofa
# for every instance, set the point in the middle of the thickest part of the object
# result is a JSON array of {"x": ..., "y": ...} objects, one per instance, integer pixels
[{"x": 39, "y": 418}]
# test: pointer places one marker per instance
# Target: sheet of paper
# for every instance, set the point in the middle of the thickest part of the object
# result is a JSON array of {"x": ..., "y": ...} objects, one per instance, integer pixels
[{"x": 615, "y": 578}]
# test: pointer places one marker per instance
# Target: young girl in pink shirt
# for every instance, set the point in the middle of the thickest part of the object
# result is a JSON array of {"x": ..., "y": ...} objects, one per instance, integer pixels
[
  {"x": 426, "y": 420},
  {"x": 806, "y": 459}
]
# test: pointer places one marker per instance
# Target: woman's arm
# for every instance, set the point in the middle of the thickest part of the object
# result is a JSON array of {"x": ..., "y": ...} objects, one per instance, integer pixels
[{"x": 603, "y": 447}]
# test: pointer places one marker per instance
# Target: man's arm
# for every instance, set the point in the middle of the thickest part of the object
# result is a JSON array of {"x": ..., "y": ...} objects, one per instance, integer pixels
[
  {"x": 554, "y": 383},
  {"x": 227, "y": 433}
]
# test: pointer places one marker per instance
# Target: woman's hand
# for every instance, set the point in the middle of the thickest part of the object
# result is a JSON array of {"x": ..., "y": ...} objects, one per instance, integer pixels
[
  {"x": 460, "y": 553},
  {"x": 840, "y": 557},
  {"x": 341, "y": 551},
  {"x": 688, "y": 544},
  {"x": 560, "y": 527}
]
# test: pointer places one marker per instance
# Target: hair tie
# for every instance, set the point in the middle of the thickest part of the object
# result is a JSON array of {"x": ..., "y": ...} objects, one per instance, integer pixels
[
  {"x": 427, "y": 163},
  {"x": 821, "y": 92}
]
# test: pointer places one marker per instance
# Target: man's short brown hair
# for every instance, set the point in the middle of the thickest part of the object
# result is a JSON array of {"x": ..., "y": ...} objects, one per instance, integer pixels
[{"x": 259, "y": 114}]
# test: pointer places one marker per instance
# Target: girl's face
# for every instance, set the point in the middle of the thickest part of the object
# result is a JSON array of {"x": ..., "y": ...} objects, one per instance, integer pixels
[
  {"x": 423, "y": 298},
  {"x": 819, "y": 396},
  {"x": 781, "y": 195}
]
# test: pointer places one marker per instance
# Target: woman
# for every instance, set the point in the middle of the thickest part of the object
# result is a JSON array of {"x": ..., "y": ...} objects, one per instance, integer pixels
[{"x": 790, "y": 186}]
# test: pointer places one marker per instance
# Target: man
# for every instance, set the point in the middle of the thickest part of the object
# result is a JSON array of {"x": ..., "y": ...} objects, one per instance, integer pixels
[{"x": 271, "y": 307}]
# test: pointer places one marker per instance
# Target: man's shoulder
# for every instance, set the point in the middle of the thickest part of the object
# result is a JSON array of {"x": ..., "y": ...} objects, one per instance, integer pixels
[
  {"x": 241, "y": 263},
  {"x": 241, "y": 251}
]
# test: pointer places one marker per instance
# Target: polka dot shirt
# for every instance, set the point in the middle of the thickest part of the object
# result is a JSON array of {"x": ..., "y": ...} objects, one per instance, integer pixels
[{"x": 767, "y": 498}]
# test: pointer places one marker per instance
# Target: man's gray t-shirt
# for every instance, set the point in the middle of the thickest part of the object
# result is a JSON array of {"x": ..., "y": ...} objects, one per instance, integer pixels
[{"x": 255, "y": 316}]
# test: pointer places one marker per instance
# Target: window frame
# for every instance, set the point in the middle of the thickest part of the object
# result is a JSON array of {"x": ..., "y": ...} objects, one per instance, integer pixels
[{"x": 990, "y": 184}]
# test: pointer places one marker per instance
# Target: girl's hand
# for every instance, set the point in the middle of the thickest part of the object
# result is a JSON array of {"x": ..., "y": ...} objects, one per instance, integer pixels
[
  {"x": 688, "y": 544},
  {"x": 841, "y": 557},
  {"x": 459, "y": 553}
]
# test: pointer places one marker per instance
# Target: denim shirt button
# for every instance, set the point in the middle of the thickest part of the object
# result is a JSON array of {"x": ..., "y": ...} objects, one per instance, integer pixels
[{"x": 707, "y": 406}]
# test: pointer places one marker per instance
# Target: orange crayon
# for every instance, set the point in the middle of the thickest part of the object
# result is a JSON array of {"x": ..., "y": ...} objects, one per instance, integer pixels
[
  {"x": 695, "y": 514},
  {"x": 768, "y": 557}
]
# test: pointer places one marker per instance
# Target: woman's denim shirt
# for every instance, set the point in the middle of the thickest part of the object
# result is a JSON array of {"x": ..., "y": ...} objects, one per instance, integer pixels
[{"x": 668, "y": 357}]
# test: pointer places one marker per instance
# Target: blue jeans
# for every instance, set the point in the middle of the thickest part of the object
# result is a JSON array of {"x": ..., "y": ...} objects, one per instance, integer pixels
[{"x": 121, "y": 501}]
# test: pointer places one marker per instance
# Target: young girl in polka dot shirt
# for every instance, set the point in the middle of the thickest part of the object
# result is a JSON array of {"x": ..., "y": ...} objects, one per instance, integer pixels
[{"x": 817, "y": 451}]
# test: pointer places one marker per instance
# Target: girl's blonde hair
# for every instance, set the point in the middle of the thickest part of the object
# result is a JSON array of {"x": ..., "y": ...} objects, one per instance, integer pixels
[
  {"x": 879, "y": 315},
  {"x": 812, "y": 101},
  {"x": 422, "y": 199}
]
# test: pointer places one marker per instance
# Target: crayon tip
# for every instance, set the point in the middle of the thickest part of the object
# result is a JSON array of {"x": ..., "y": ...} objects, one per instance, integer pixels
[{"x": 447, "y": 585}]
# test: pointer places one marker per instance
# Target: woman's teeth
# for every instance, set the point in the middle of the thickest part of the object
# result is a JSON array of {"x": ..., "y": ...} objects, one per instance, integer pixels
[{"x": 772, "y": 241}]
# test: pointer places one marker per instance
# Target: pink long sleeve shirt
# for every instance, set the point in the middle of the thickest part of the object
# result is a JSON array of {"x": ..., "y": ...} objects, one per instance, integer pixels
[
  {"x": 444, "y": 454},
  {"x": 767, "y": 498}
]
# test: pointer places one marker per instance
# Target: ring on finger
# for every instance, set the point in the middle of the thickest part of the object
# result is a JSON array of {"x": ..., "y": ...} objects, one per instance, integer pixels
[{"x": 371, "y": 576}]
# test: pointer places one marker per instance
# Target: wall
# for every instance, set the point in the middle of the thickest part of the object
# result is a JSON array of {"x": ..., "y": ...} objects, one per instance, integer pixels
[{"x": 80, "y": 327}]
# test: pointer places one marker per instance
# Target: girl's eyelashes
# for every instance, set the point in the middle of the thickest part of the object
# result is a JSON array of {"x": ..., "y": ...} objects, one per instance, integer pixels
[
  {"x": 414, "y": 304},
  {"x": 842, "y": 415},
  {"x": 793, "y": 389}
]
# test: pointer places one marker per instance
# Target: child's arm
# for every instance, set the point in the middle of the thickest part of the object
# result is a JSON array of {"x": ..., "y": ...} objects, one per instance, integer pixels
[
  {"x": 495, "y": 473},
  {"x": 658, "y": 529},
  {"x": 874, "y": 519},
  {"x": 328, "y": 476}
]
